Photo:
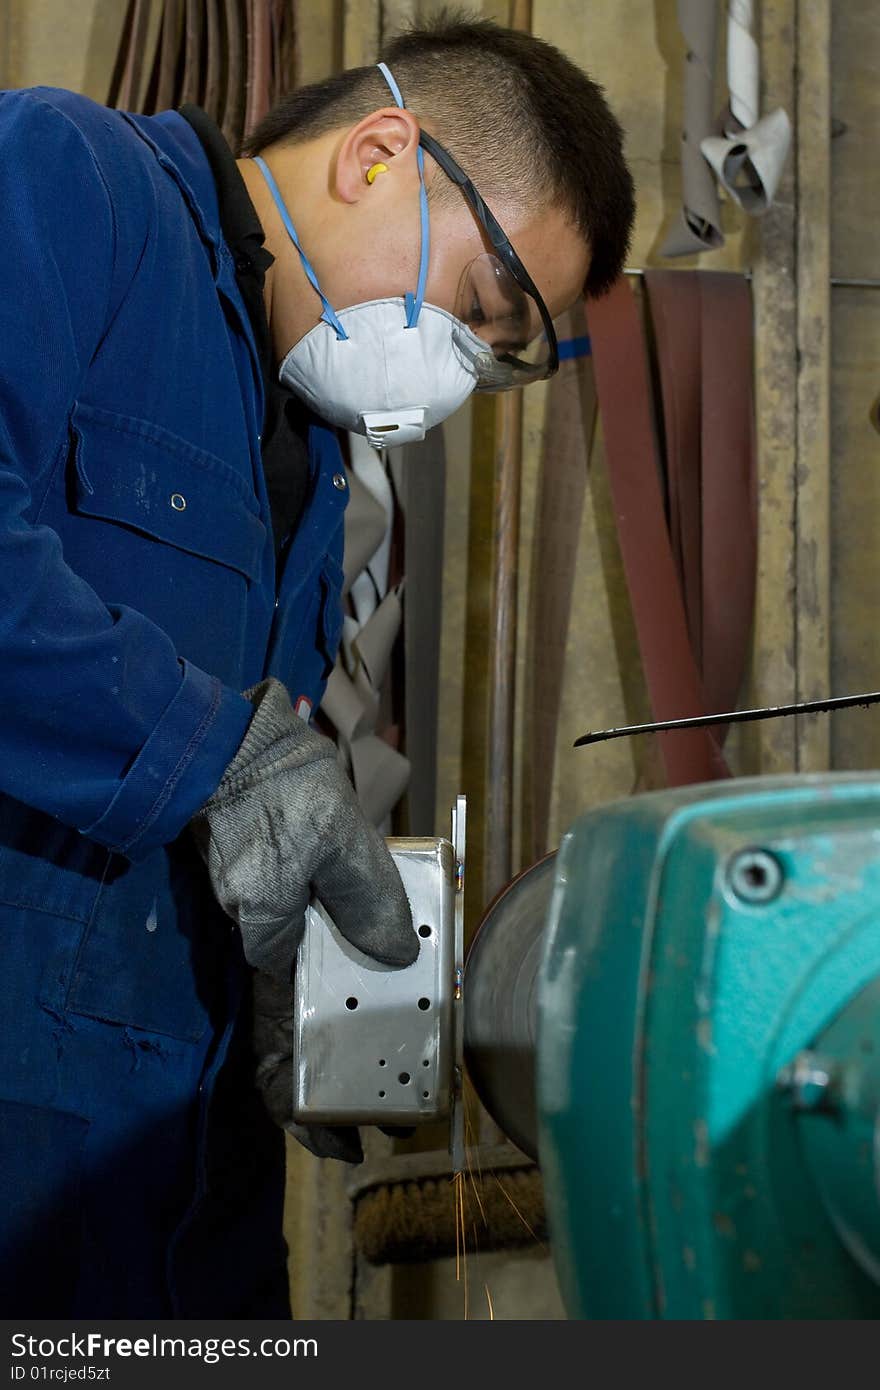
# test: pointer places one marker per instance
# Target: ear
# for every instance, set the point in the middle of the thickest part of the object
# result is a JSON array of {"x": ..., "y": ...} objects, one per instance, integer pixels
[{"x": 389, "y": 136}]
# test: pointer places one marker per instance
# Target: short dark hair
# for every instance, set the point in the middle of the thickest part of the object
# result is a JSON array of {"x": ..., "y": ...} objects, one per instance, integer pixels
[{"x": 514, "y": 111}]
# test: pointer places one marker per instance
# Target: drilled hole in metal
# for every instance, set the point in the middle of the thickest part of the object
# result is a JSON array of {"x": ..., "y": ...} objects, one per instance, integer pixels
[
  {"x": 424, "y": 930},
  {"x": 424, "y": 1004},
  {"x": 404, "y": 1078},
  {"x": 351, "y": 1002}
]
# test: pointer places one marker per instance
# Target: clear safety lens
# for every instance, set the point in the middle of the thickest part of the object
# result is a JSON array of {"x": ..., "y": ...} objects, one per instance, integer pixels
[{"x": 502, "y": 339}]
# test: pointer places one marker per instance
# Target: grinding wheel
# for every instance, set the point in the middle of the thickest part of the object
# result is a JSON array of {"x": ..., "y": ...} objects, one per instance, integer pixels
[{"x": 500, "y": 999}]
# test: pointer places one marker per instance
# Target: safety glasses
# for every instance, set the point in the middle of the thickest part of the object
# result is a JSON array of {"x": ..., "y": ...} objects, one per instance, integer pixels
[{"x": 495, "y": 298}]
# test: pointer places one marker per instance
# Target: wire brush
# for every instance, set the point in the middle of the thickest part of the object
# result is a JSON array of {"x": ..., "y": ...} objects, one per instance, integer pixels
[{"x": 414, "y": 1220}]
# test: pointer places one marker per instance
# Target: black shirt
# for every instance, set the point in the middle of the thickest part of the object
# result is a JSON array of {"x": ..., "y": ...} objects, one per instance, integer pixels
[{"x": 285, "y": 424}]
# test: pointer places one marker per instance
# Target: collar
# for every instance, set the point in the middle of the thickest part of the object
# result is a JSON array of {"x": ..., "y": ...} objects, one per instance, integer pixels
[
  {"x": 241, "y": 226},
  {"x": 180, "y": 152}
]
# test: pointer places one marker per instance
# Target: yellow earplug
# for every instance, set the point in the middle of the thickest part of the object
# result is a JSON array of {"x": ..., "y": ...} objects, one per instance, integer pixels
[{"x": 375, "y": 170}]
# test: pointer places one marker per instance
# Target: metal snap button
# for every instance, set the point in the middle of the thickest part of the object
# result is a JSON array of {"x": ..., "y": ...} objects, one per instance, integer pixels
[
  {"x": 178, "y": 502},
  {"x": 339, "y": 481}
]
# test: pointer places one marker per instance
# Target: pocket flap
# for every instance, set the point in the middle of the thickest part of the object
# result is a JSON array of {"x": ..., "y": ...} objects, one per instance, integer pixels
[{"x": 140, "y": 475}]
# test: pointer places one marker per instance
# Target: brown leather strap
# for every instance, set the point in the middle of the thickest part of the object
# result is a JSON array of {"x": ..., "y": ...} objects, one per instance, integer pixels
[{"x": 633, "y": 466}]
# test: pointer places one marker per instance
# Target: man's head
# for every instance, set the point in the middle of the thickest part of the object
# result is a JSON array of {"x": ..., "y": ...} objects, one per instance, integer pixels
[{"x": 531, "y": 131}]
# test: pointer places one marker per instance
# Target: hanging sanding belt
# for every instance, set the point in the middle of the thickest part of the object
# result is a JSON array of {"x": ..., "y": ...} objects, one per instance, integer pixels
[
  {"x": 170, "y": 55},
  {"x": 148, "y": 102},
  {"x": 234, "y": 58},
  {"x": 259, "y": 63},
  {"x": 165, "y": 39},
  {"x": 281, "y": 76},
  {"x": 671, "y": 672},
  {"x": 229, "y": 111},
  {"x": 213, "y": 46},
  {"x": 702, "y": 323},
  {"x": 123, "y": 52},
  {"x": 569, "y": 420},
  {"x": 126, "y": 79},
  {"x": 193, "y": 69}
]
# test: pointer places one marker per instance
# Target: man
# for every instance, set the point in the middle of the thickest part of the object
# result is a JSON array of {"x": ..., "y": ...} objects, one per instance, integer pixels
[{"x": 181, "y": 334}]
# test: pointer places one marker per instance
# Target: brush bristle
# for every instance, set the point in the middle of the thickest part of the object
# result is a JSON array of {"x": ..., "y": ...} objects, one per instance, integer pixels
[{"x": 404, "y": 1223}]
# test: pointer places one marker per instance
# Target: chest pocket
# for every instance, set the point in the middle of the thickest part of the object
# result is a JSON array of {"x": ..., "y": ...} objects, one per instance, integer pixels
[
  {"x": 165, "y": 528},
  {"x": 144, "y": 477}
]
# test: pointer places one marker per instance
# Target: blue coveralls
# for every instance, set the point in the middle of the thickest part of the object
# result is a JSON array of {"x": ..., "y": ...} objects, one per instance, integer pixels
[{"x": 139, "y": 1175}]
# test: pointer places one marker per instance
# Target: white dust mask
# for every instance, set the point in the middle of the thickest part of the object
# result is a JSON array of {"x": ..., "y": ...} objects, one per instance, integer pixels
[
  {"x": 383, "y": 379},
  {"x": 388, "y": 368}
]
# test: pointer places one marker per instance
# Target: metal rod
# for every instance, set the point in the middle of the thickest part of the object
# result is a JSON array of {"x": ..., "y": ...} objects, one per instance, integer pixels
[
  {"x": 837, "y": 281},
  {"x": 734, "y": 717}
]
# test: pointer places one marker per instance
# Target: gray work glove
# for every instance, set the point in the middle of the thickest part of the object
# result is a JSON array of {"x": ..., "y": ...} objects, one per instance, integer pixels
[
  {"x": 285, "y": 824},
  {"x": 273, "y": 1050}
]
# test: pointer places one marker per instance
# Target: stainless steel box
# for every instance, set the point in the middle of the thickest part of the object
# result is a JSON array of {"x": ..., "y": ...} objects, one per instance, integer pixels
[{"x": 374, "y": 1045}]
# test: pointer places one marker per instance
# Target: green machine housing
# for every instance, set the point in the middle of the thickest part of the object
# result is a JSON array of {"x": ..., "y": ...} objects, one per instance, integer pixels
[{"x": 708, "y": 1055}]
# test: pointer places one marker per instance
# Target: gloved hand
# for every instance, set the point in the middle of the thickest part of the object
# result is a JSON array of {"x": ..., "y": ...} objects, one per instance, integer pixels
[
  {"x": 284, "y": 824},
  {"x": 273, "y": 1050}
]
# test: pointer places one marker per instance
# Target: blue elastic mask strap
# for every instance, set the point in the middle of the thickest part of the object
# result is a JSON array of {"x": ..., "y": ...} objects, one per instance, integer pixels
[
  {"x": 414, "y": 302},
  {"x": 329, "y": 315}
]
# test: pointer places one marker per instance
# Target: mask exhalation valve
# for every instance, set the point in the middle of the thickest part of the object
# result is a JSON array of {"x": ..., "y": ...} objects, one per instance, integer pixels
[{"x": 387, "y": 429}]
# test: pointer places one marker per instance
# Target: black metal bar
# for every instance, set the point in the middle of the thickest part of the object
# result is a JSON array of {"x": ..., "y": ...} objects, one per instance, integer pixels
[{"x": 734, "y": 717}]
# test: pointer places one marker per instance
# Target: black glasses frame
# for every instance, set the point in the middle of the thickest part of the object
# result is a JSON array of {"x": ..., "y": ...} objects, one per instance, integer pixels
[{"x": 501, "y": 244}]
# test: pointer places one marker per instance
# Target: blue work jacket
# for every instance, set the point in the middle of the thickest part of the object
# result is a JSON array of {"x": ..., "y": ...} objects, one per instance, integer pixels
[{"x": 138, "y": 599}]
